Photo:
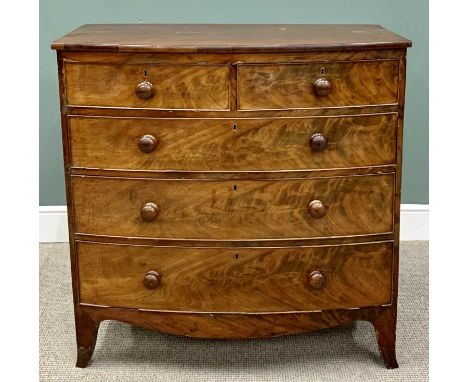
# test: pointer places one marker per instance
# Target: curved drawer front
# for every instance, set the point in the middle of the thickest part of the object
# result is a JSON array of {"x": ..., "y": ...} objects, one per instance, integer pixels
[
  {"x": 204, "y": 87},
  {"x": 235, "y": 279},
  {"x": 299, "y": 86},
  {"x": 233, "y": 145},
  {"x": 234, "y": 210}
]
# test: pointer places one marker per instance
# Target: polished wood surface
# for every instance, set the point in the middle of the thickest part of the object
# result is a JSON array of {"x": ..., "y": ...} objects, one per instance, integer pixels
[
  {"x": 222, "y": 38},
  {"x": 232, "y": 325},
  {"x": 240, "y": 326},
  {"x": 233, "y": 144},
  {"x": 148, "y": 86},
  {"x": 235, "y": 280},
  {"x": 285, "y": 143},
  {"x": 228, "y": 210},
  {"x": 294, "y": 86}
]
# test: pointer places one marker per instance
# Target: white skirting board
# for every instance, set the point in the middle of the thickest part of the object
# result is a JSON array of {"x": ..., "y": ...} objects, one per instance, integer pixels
[{"x": 53, "y": 226}]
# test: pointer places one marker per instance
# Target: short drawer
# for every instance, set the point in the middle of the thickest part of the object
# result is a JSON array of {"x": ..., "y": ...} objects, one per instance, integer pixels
[
  {"x": 315, "y": 85},
  {"x": 234, "y": 210},
  {"x": 232, "y": 145},
  {"x": 197, "y": 87},
  {"x": 235, "y": 279}
]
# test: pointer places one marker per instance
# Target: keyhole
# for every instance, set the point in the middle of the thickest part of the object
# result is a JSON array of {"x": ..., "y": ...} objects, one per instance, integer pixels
[
  {"x": 322, "y": 71},
  {"x": 234, "y": 126},
  {"x": 145, "y": 73},
  {"x": 234, "y": 188},
  {"x": 236, "y": 256}
]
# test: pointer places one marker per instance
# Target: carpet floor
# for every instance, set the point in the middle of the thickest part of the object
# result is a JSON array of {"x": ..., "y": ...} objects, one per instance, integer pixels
[{"x": 125, "y": 353}]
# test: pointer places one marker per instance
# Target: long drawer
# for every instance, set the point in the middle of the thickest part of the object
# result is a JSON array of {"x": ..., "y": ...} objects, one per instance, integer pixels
[
  {"x": 235, "y": 279},
  {"x": 314, "y": 85},
  {"x": 233, "y": 145},
  {"x": 234, "y": 209}
]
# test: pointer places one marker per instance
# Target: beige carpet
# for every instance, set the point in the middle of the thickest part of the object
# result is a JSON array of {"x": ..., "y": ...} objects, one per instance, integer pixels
[{"x": 124, "y": 353}]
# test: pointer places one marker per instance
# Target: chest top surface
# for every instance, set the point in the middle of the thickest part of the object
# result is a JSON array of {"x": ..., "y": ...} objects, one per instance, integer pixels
[{"x": 229, "y": 38}]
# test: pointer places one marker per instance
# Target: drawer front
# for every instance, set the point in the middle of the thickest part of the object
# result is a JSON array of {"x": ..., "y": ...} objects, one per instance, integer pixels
[
  {"x": 235, "y": 279},
  {"x": 232, "y": 145},
  {"x": 234, "y": 210},
  {"x": 303, "y": 86},
  {"x": 204, "y": 87}
]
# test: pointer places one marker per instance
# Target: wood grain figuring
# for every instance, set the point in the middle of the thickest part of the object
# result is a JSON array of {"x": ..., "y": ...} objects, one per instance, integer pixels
[
  {"x": 246, "y": 176},
  {"x": 239, "y": 210},
  {"x": 174, "y": 86},
  {"x": 292, "y": 86},
  {"x": 222, "y": 38},
  {"x": 235, "y": 280},
  {"x": 233, "y": 326},
  {"x": 240, "y": 326},
  {"x": 232, "y": 145}
]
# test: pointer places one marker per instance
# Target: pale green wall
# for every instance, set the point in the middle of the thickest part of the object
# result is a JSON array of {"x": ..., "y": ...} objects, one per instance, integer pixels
[{"x": 406, "y": 17}]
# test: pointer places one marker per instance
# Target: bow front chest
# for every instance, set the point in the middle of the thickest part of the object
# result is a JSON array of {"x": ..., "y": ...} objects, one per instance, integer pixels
[{"x": 233, "y": 181}]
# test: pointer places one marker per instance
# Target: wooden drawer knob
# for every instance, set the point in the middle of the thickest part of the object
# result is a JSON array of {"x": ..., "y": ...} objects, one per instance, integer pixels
[
  {"x": 322, "y": 87},
  {"x": 318, "y": 142},
  {"x": 152, "y": 280},
  {"x": 144, "y": 90},
  {"x": 149, "y": 211},
  {"x": 147, "y": 143},
  {"x": 316, "y": 280},
  {"x": 317, "y": 209}
]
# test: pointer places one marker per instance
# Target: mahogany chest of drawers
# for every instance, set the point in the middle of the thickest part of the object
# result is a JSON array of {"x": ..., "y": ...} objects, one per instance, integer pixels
[{"x": 233, "y": 181}]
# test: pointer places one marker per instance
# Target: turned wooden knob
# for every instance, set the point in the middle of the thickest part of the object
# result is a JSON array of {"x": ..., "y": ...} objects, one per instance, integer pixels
[
  {"x": 144, "y": 90},
  {"x": 147, "y": 143},
  {"x": 316, "y": 280},
  {"x": 318, "y": 142},
  {"x": 322, "y": 87},
  {"x": 317, "y": 209},
  {"x": 152, "y": 280},
  {"x": 149, "y": 211}
]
